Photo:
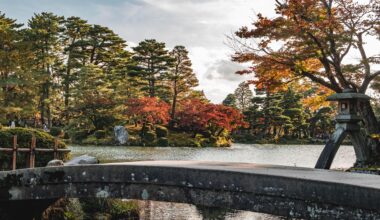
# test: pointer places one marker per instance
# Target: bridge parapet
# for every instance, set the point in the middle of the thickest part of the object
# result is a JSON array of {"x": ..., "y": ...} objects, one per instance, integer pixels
[{"x": 286, "y": 191}]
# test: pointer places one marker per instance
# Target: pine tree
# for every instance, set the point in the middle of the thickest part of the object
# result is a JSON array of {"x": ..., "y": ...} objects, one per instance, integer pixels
[
  {"x": 152, "y": 64},
  {"x": 181, "y": 77},
  {"x": 75, "y": 36},
  {"x": 230, "y": 100},
  {"x": 44, "y": 36},
  {"x": 16, "y": 82},
  {"x": 94, "y": 103},
  {"x": 291, "y": 103},
  {"x": 243, "y": 96}
]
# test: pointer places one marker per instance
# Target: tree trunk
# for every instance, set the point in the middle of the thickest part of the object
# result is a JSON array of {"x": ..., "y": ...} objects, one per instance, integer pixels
[
  {"x": 173, "y": 110},
  {"x": 152, "y": 89},
  {"x": 48, "y": 111},
  {"x": 372, "y": 127},
  {"x": 42, "y": 108},
  {"x": 67, "y": 92}
]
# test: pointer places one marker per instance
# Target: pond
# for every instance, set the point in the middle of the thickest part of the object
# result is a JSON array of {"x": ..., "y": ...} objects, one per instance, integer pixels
[{"x": 290, "y": 155}]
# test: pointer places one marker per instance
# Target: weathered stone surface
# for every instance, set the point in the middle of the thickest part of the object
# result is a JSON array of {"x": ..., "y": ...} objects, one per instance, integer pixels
[
  {"x": 121, "y": 135},
  {"x": 286, "y": 191},
  {"x": 81, "y": 160}
]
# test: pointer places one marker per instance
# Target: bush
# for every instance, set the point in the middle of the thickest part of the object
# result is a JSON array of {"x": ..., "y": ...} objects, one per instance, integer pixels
[
  {"x": 78, "y": 136},
  {"x": 56, "y": 131},
  {"x": 150, "y": 137},
  {"x": 66, "y": 135},
  {"x": 163, "y": 142},
  {"x": 124, "y": 209},
  {"x": 145, "y": 129},
  {"x": 24, "y": 137},
  {"x": 134, "y": 140},
  {"x": 103, "y": 122},
  {"x": 100, "y": 134},
  {"x": 213, "y": 139},
  {"x": 102, "y": 208},
  {"x": 161, "y": 131}
]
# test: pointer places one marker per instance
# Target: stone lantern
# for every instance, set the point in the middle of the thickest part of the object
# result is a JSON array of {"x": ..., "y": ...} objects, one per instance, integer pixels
[{"x": 347, "y": 123}]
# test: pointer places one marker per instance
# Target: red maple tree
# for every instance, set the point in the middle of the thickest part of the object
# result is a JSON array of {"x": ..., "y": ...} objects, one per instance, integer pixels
[
  {"x": 148, "y": 110},
  {"x": 197, "y": 116}
]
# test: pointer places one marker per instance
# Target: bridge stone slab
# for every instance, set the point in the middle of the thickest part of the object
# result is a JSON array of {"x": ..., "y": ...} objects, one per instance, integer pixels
[{"x": 286, "y": 191}]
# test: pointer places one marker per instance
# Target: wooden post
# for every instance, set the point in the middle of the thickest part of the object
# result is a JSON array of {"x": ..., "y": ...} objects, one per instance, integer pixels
[
  {"x": 32, "y": 156},
  {"x": 14, "y": 155},
  {"x": 56, "y": 148}
]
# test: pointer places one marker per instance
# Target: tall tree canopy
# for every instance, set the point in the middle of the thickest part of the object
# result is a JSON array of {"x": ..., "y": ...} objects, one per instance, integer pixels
[
  {"x": 243, "y": 95},
  {"x": 310, "y": 40},
  {"x": 16, "y": 82},
  {"x": 230, "y": 100},
  {"x": 44, "y": 36},
  {"x": 152, "y": 64},
  {"x": 181, "y": 77},
  {"x": 74, "y": 39}
]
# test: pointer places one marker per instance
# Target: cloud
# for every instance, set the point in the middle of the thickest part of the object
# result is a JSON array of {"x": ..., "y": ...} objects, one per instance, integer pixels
[
  {"x": 199, "y": 25},
  {"x": 224, "y": 70}
]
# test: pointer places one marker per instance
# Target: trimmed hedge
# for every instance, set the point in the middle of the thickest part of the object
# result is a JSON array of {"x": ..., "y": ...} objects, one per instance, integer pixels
[
  {"x": 24, "y": 137},
  {"x": 150, "y": 137},
  {"x": 78, "y": 136},
  {"x": 163, "y": 142},
  {"x": 56, "y": 131},
  {"x": 100, "y": 134},
  {"x": 161, "y": 131}
]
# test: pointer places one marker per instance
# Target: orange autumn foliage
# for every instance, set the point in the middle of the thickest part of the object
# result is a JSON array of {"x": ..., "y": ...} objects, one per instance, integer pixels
[
  {"x": 197, "y": 116},
  {"x": 148, "y": 110}
]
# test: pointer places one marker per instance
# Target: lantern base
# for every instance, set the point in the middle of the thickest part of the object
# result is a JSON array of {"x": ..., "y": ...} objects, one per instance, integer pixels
[{"x": 358, "y": 140}]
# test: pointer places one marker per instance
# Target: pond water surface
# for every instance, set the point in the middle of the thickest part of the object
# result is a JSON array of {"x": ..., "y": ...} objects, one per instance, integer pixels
[{"x": 289, "y": 155}]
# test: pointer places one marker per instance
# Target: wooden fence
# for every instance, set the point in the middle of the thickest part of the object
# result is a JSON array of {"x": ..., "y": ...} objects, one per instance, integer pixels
[{"x": 31, "y": 151}]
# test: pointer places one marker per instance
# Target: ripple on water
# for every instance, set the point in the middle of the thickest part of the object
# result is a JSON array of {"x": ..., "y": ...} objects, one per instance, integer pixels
[{"x": 290, "y": 155}]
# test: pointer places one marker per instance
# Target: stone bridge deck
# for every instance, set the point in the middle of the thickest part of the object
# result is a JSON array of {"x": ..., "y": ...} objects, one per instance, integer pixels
[{"x": 286, "y": 191}]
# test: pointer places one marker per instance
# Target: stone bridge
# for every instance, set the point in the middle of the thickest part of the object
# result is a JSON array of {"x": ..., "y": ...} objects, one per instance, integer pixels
[{"x": 285, "y": 191}]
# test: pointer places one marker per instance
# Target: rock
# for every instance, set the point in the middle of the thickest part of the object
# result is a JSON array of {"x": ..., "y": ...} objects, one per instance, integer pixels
[
  {"x": 84, "y": 159},
  {"x": 121, "y": 135},
  {"x": 55, "y": 163}
]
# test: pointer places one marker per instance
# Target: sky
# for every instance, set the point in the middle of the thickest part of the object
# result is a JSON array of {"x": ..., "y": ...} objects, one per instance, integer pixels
[{"x": 202, "y": 26}]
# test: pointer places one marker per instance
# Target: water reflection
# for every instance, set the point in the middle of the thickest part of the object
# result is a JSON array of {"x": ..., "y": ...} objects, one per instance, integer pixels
[{"x": 176, "y": 211}]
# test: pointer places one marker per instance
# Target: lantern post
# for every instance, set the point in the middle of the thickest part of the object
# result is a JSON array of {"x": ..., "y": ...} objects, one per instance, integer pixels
[{"x": 347, "y": 123}]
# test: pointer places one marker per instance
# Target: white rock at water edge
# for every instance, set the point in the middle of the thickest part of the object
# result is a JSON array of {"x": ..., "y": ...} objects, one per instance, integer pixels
[
  {"x": 84, "y": 159},
  {"x": 121, "y": 135}
]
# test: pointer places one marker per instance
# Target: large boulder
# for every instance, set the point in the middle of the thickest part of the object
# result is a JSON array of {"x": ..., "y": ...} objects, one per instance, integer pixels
[
  {"x": 121, "y": 135},
  {"x": 81, "y": 160}
]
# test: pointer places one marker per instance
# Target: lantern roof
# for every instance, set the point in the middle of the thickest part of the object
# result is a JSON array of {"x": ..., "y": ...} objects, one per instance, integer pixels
[{"x": 348, "y": 94}]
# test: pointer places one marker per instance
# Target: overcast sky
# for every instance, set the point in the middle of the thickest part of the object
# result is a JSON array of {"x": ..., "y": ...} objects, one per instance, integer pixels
[{"x": 200, "y": 25}]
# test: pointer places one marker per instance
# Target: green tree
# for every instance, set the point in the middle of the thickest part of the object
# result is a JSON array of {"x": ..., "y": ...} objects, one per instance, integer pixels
[
  {"x": 243, "y": 95},
  {"x": 94, "y": 104},
  {"x": 230, "y": 100},
  {"x": 291, "y": 103},
  {"x": 44, "y": 36},
  {"x": 74, "y": 37},
  {"x": 181, "y": 77},
  {"x": 152, "y": 64},
  {"x": 94, "y": 48},
  {"x": 16, "y": 82},
  {"x": 256, "y": 118},
  {"x": 321, "y": 124}
]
